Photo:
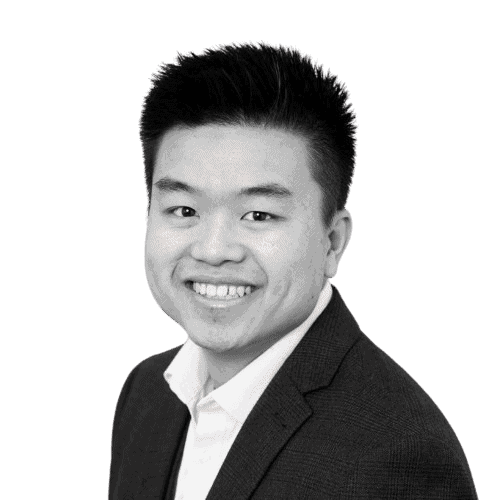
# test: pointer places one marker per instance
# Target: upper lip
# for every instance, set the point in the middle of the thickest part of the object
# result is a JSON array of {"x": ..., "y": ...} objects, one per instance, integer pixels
[{"x": 220, "y": 280}]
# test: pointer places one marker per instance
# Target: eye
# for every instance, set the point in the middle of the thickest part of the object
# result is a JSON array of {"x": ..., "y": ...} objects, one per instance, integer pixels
[
  {"x": 182, "y": 212},
  {"x": 187, "y": 212},
  {"x": 260, "y": 216}
]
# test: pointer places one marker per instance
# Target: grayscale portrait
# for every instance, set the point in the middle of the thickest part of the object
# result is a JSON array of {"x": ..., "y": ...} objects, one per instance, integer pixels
[{"x": 278, "y": 392}]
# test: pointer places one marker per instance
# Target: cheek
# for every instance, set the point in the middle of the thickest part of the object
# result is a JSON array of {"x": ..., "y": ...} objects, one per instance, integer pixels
[
  {"x": 306, "y": 262},
  {"x": 161, "y": 245},
  {"x": 274, "y": 252},
  {"x": 283, "y": 258},
  {"x": 158, "y": 256},
  {"x": 153, "y": 265}
]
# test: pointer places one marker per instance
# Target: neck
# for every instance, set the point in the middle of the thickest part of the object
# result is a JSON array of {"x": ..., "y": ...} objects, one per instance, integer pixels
[{"x": 223, "y": 366}]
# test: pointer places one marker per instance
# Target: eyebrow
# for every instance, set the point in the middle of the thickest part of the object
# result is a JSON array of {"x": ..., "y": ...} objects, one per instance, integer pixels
[{"x": 267, "y": 190}]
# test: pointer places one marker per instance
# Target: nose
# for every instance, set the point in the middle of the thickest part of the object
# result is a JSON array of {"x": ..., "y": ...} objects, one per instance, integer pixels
[{"x": 216, "y": 242}]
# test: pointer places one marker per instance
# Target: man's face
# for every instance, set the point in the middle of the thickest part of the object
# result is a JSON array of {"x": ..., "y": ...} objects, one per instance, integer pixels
[{"x": 211, "y": 230}]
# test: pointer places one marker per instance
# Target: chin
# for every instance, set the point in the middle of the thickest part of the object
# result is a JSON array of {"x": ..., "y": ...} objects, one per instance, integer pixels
[{"x": 215, "y": 347}]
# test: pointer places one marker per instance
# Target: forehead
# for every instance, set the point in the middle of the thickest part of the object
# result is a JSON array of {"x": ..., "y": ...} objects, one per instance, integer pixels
[{"x": 229, "y": 158}]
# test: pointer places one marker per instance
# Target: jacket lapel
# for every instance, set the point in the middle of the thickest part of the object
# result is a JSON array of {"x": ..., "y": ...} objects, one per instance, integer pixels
[
  {"x": 282, "y": 408},
  {"x": 274, "y": 419},
  {"x": 159, "y": 456}
]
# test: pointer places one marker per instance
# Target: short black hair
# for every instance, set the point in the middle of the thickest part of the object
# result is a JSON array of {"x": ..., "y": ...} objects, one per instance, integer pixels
[{"x": 257, "y": 85}]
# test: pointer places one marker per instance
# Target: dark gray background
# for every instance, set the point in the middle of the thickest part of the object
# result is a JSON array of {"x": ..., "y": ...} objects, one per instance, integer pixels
[{"x": 420, "y": 274}]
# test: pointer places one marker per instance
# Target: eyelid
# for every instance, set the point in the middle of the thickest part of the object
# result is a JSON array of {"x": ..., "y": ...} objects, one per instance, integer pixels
[
  {"x": 271, "y": 216},
  {"x": 172, "y": 210}
]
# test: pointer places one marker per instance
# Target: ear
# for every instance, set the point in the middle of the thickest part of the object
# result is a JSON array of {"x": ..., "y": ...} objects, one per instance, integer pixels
[{"x": 339, "y": 234}]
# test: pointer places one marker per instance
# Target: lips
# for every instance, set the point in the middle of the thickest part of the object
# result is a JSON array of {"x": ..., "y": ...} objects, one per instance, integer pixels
[
  {"x": 220, "y": 295},
  {"x": 219, "y": 280},
  {"x": 221, "y": 292}
]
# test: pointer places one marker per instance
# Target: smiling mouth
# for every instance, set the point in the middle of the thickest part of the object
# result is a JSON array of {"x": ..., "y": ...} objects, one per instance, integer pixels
[{"x": 223, "y": 292}]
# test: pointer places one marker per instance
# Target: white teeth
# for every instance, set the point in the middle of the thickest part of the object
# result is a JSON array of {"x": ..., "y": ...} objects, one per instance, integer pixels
[{"x": 222, "y": 292}]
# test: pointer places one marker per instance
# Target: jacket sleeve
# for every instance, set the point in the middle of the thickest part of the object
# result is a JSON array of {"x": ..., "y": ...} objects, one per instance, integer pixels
[
  {"x": 412, "y": 468},
  {"x": 116, "y": 444}
]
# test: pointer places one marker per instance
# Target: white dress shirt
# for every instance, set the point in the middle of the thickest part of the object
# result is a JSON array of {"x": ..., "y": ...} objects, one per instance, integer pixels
[{"x": 218, "y": 415}]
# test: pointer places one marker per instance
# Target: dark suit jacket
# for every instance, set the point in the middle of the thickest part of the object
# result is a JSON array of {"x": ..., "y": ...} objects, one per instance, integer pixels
[{"x": 340, "y": 420}]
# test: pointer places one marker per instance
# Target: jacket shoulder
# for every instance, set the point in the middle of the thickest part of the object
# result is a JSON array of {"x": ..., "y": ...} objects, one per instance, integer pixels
[
  {"x": 402, "y": 428},
  {"x": 386, "y": 389},
  {"x": 146, "y": 378},
  {"x": 375, "y": 433}
]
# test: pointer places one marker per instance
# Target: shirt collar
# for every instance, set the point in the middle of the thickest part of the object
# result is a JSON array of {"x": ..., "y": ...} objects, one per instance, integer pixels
[{"x": 188, "y": 375}]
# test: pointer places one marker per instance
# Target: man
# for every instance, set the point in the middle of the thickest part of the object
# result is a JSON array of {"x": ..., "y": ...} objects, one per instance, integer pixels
[{"x": 249, "y": 155}]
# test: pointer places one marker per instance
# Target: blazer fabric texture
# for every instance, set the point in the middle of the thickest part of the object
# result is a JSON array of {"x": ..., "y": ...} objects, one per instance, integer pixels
[{"x": 340, "y": 420}]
